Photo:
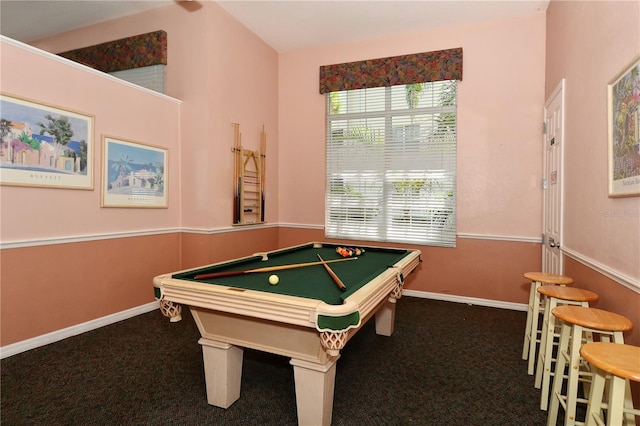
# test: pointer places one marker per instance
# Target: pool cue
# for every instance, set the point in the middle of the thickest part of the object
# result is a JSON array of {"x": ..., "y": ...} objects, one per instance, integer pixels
[
  {"x": 337, "y": 280},
  {"x": 266, "y": 269},
  {"x": 263, "y": 173},
  {"x": 237, "y": 160}
]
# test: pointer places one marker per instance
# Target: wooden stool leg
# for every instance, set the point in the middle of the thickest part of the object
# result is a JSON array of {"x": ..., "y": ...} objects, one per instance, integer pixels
[
  {"x": 629, "y": 412},
  {"x": 573, "y": 376},
  {"x": 629, "y": 417},
  {"x": 546, "y": 343},
  {"x": 596, "y": 394},
  {"x": 528, "y": 334},
  {"x": 533, "y": 330},
  {"x": 558, "y": 378},
  {"x": 548, "y": 368},
  {"x": 616, "y": 400}
]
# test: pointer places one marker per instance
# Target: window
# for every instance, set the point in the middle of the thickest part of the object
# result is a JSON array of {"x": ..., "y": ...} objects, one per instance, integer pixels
[
  {"x": 391, "y": 164},
  {"x": 151, "y": 77},
  {"x": 139, "y": 59}
]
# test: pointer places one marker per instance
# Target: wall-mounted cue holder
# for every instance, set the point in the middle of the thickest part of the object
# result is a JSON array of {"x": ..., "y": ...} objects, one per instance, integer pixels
[{"x": 248, "y": 180}]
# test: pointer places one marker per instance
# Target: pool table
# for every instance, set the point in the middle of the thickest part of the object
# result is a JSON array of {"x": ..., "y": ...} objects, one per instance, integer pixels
[{"x": 306, "y": 316}]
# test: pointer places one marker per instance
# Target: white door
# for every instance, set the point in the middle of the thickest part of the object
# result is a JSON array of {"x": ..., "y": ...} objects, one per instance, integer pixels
[{"x": 552, "y": 182}]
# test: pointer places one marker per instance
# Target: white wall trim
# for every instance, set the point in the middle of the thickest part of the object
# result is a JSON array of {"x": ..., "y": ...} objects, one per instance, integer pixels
[
  {"x": 84, "y": 68},
  {"x": 519, "y": 239},
  {"x": 56, "y": 336},
  {"x": 225, "y": 229},
  {"x": 468, "y": 300},
  {"x": 83, "y": 238},
  {"x": 617, "y": 276},
  {"x": 500, "y": 238},
  {"x": 211, "y": 231},
  {"x": 128, "y": 234},
  {"x": 302, "y": 226}
]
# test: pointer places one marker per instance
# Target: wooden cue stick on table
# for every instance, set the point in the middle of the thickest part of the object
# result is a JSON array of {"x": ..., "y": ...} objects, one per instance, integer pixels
[
  {"x": 267, "y": 269},
  {"x": 337, "y": 280}
]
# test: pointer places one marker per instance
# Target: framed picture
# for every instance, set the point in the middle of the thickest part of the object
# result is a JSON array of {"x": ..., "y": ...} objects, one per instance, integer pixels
[
  {"x": 133, "y": 174},
  {"x": 623, "y": 99},
  {"x": 44, "y": 145}
]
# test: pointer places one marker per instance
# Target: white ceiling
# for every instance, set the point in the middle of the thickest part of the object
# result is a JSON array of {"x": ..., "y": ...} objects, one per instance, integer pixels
[{"x": 284, "y": 25}]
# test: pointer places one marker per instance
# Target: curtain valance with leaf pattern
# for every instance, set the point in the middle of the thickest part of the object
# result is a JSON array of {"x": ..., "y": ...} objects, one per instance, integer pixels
[
  {"x": 138, "y": 51},
  {"x": 392, "y": 71}
]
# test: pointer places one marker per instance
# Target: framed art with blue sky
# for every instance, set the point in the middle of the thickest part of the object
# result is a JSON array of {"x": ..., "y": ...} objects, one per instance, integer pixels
[
  {"x": 133, "y": 174},
  {"x": 44, "y": 145}
]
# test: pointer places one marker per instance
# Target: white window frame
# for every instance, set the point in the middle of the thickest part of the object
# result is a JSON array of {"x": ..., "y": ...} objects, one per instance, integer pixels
[{"x": 391, "y": 182}]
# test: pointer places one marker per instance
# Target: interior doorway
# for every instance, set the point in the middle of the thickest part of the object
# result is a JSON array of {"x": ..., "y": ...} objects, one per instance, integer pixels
[{"x": 553, "y": 182}]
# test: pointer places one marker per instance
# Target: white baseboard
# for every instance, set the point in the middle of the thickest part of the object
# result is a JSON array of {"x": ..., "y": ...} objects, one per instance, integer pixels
[
  {"x": 55, "y": 336},
  {"x": 468, "y": 300},
  {"x": 45, "y": 339}
]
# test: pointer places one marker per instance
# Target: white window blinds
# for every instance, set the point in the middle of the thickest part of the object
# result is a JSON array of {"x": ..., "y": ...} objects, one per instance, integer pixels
[
  {"x": 151, "y": 77},
  {"x": 391, "y": 164}
]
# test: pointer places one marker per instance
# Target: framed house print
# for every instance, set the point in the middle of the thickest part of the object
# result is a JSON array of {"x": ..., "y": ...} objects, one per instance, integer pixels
[
  {"x": 623, "y": 102},
  {"x": 133, "y": 174},
  {"x": 44, "y": 145}
]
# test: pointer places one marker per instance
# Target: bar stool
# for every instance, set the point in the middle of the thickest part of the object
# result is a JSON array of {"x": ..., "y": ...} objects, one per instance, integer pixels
[
  {"x": 555, "y": 295},
  {"x": 579, "y": 324},
  {"x": 622, "y": 362},
  {"x": 535, "y": 308}
]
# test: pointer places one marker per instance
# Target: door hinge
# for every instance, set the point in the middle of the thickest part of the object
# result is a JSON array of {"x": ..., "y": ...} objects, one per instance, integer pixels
[
  {"x": 544, "y": 184},
  {"x": 544, "y": 128}
]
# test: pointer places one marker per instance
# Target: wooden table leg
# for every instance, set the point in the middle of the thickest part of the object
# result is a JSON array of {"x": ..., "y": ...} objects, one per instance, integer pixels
[
  {"x": 314, "y": 391},
  {"x": 222, "y": 371}
]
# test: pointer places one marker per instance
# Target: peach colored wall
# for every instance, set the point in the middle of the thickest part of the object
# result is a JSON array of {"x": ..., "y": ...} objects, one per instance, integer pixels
[
  {"x": 51, "y": 287},
  {"x": 202, "y": 249},
  {"x": 589, "y": 44},
  {"x": 118, "y": 110},
  {"x": 613, "y": 297},
  {"x": 223, "y": 73},
  {"x": 500, "y": 107}
]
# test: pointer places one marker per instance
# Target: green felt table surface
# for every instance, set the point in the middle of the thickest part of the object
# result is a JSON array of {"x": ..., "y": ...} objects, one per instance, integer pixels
[{"x": 309, "y": 282}]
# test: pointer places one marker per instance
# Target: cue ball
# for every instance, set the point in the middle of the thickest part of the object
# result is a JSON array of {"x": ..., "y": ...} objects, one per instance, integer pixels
[{"x": 273, "y": 279}]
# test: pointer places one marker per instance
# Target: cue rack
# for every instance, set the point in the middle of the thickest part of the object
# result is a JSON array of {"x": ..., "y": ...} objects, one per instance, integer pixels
[{"x": 248, "y": 180}]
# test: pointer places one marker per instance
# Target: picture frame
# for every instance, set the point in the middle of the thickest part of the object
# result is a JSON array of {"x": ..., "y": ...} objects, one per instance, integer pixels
[
  {"x": 623, "y": 118},
  {"x": 43, "y": 145},
  {"x": 134, "y": 174}
]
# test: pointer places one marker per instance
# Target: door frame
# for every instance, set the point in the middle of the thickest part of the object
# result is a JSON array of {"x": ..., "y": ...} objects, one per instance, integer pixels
[{"x": 558, "y": 91}]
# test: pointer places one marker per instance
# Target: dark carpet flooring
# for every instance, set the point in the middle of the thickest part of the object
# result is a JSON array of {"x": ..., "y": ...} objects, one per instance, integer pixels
[{"x": 446, "y": 364}]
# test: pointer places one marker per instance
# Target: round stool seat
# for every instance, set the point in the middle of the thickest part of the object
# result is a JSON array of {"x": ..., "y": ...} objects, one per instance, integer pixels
[
  {"x": 568, "y": 293},
  {"x": 621, "y": 364},
  {"x": 620, "y": 360},
  {"x": 543, "y": 277},
  {"x": 593, "y": 318}
]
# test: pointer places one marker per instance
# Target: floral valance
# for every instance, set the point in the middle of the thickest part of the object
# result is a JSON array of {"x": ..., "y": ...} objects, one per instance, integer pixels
[
  {"x": 404, "y": 69},
  {"x": 127, "y": 53}
]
